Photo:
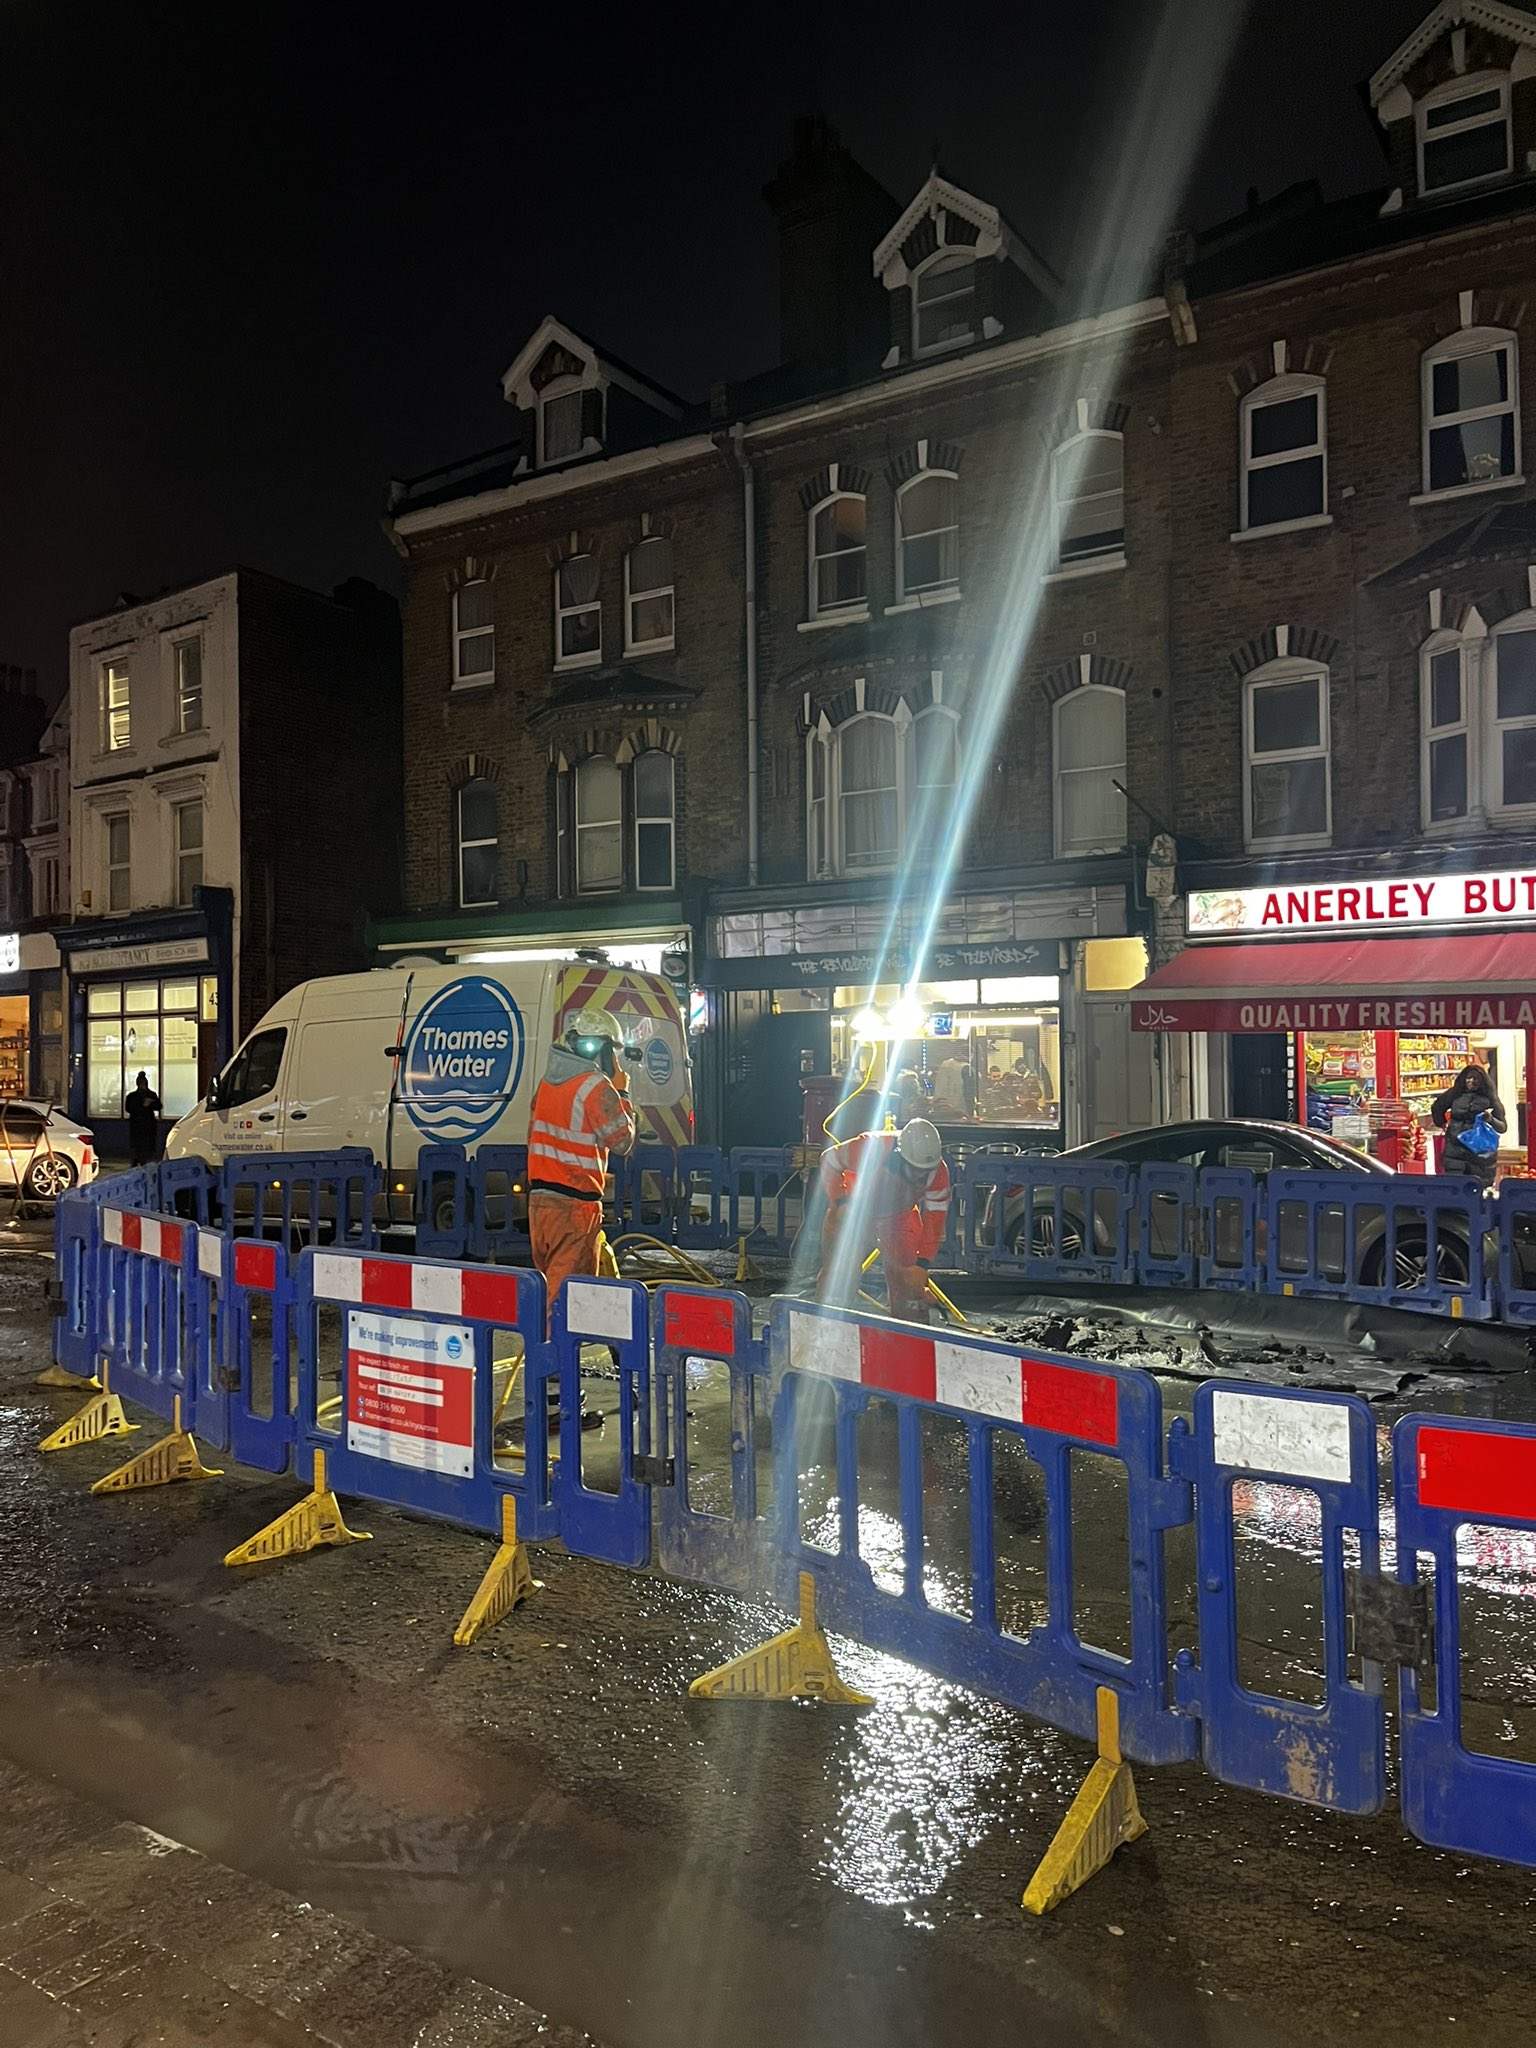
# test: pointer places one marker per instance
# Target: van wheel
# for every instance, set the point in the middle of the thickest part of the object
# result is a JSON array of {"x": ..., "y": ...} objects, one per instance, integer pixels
[{"x": 445, "y": 1217}]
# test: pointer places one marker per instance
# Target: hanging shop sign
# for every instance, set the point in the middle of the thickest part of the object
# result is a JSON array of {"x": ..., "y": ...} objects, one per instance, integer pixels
[{"x": 1505, "y": 896}]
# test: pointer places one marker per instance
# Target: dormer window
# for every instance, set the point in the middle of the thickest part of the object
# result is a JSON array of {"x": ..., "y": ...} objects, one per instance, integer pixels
[
  {"x": 944, "y": 303},
  {"x": 560, "y": 410},
  {"x": 1464, "y": 133}
]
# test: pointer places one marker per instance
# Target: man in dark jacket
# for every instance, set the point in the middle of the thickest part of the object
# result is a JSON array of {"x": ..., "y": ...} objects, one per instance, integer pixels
[
  {"x": 143, "y": 1112},
  {"x": 1457, "y": 1110}
]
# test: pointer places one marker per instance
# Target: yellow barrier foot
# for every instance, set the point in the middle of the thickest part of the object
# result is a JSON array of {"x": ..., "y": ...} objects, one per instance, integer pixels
[
  {"x": 316, "y": 1520},
  {"x": 746, "y": 1269},
  {"x": 101, "y": 1416},
  {"x": 1102, "y": 1816},
  {"x": 173, "y": 1457},
  {"x": 794, "y": 1666},
  {"x": 507, "y": 1583},
  {"x": 56, "y": 1376}
]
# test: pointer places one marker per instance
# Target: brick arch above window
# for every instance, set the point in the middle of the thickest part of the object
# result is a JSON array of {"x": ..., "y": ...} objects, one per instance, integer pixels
[
  {"x": 1284, "y": 643},
  {"x": 826, "y": 483},
  {"x": 472, "y": 768},
  {"x": 920, "y": 456},
  {"x": 1280, "y": 359},
  {"x": 1090, "y": 414},
  {"x": 1085, "y": 671},
  {"x": 574, "y": 543},
  {"x": 473, "y": 569},
  {"x": 650, "y": 737},
  {"x": 888, "y": 698}
]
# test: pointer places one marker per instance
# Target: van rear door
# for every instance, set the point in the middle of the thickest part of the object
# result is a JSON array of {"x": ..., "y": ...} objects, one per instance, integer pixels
[{"x": 660, "y": 1075}]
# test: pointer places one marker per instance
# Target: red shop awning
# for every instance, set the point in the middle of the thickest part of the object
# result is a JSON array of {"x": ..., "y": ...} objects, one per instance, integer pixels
[{"x": 1466, "y": 982}]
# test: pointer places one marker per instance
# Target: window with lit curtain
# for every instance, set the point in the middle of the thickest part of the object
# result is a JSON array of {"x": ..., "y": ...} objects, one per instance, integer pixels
[
  {"x": 838, "y": 579},
  {"x": 869, "y": 788},
  {"x": 479, "y": 842},
  {"x": 599, "y": 825},
  {"x": 1089, "y": 735}
]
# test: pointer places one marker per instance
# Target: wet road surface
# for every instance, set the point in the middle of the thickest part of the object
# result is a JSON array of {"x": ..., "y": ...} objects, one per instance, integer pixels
[{"x": 547, "y": 1813}]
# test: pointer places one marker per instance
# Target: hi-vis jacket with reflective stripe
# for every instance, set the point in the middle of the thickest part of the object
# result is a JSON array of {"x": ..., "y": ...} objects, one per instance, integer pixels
[
  {"x": 578, "y": 1115},
  {"x": 892, "y": 1194}
]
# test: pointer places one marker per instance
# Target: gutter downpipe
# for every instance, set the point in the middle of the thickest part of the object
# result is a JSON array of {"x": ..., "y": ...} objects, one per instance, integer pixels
[{"x": 749, "y": 524}]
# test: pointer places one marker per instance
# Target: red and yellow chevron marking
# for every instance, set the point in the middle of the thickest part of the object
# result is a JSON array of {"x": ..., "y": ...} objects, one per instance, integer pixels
[{"x": 623, "y": 992}]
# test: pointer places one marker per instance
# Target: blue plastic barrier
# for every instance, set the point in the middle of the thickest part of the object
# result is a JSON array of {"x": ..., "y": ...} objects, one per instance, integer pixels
[
  {"x": 140, "y": 1276},
  {"x": 762, "y": 1179},
  {"x": 703, "y": 1184},
  {"x": 709, "y": 1518},
  {"x": 1167, "y": 1226},
  {"x": 313, "y": 1196},
  {"x": 830, "y": 1369},
  {"x": 398, "y": 1362},
  {"x": 76, "y": 1240},
  {"x": 1516, "y": 1216},
  {"x": 1332, "y": 1752},
  {"x": 187, "y": 1187},
  {"x": 596, "y": 1521},
  {"x": 442, "y": 1207},
  {"x": 498, "y": 1200},
  {"x": 645, "y": 1191},
  {"x": 1449, "y": 1472},
  {"x": 1413, "y": 1241},
  {"x": 1231, "y": 1200},
  {"x": 255, "y": 1345}
]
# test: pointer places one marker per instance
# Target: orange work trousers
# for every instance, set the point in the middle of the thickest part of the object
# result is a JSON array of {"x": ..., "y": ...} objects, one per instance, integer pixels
[
  {"x": 897, "y": 1238},
  {"x": 568, "y": 1241}
]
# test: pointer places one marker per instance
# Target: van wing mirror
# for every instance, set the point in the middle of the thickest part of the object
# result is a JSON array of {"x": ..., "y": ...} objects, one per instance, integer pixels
[{"x": 213, "y": 1093}]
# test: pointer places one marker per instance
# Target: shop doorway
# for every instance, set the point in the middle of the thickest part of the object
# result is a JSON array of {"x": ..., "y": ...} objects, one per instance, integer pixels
[
  {"x": 1123, "y": 1093},
  {"x": 15, "y": 1019},
  {"x": 1262, "y": 1082}
]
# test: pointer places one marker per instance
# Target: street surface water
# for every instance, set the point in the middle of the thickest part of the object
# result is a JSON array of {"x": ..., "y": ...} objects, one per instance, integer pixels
[{"x": 548, "y": 1813}]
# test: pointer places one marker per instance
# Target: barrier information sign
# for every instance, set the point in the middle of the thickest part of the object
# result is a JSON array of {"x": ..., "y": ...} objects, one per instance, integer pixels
[{"x": 410, "y": 1392}]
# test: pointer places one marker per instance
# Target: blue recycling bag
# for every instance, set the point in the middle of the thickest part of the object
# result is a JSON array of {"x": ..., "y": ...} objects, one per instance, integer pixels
[{"x": 1482, "y": 1138}]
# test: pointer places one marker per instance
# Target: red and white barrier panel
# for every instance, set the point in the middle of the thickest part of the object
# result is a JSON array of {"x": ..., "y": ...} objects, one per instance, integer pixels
[
  {"x": 980, "y": 1379},
  {"x": 1470, "y": 1472},
  {"x": 149, "y": 1234},
  {"x": 483, "y": 1296},
  {"x": 253, "y": 1263}
]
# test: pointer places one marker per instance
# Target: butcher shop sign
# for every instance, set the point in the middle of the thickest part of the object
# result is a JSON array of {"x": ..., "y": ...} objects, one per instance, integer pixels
[{"x": 1287, "y": 911}]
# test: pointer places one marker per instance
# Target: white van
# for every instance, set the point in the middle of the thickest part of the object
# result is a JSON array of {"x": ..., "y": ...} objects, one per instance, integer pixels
[{"x": 406, "y": 1056}]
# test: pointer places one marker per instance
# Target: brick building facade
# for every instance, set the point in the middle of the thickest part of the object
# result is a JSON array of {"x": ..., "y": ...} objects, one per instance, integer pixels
[{"x": 994, "y": 620}]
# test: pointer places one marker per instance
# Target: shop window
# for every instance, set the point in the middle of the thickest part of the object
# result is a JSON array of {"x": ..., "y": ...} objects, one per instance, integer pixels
[
  {"x": 474, "y": 634},
  {"x": 652, "y": 776},
  {"x": 578, "y": 613},
  {"x": 1088, "y": 492},
  {"x": 1284, "y": 453},
  {"x": 141, "y": 1026},
  {"x": 649, "y": 626},
  {"x": 1287, "y": 799},
  {"x": 1088, "y": 727},
  {"x": 477, "y": 833},
  {"x": 599, "y": 826},
  {"x": 1464, "y": 133},
  {"x": 872, "y": 782},
  {"x": 1471, "y": 399},
  {"x": 187, "y": 656},
  {"x": 118, "y": 849},
  {"x": 837, "y": 529},
  {"x": 928, "y": 536},
  {"x": 116, "y": 717},
  {"x": 189, "y": 851}
]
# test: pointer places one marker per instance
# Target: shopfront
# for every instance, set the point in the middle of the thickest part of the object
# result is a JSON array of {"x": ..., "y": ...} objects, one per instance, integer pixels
[
  {"x": 30, "y": 1016},
  {"x": 1367, "y": 998},
  {"x": 986, "y": 1032},
  {"x": 145, "y": 999}
]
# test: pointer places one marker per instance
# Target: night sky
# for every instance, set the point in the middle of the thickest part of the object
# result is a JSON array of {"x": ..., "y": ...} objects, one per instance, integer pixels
[{"x": 256, "y": 259}]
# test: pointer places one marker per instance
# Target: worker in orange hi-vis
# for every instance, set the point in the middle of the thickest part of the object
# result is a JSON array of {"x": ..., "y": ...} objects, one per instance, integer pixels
[
  {"x": 581, "y": 1113},
  {"x": 894, "y": 1188}
]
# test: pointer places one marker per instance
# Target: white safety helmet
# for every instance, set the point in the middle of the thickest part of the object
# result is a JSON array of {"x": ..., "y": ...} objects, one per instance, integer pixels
[
  {"x": 588, "y": 1027},
  {"x": 920, "y": 1145}
]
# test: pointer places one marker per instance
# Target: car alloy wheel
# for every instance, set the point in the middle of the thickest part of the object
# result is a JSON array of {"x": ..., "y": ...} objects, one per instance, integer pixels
[
  {"x": 1410, "y": 1264},
  {"x": 50, "y": 1177},
  {"x": 1043, "y": 1237}
]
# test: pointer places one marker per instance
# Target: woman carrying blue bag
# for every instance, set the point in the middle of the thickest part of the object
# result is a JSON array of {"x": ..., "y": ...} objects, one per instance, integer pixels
[{"x": 1471, "y": 1116}]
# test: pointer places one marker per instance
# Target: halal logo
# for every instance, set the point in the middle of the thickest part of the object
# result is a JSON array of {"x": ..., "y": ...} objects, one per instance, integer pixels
[{"x": 462, "y": 1060}]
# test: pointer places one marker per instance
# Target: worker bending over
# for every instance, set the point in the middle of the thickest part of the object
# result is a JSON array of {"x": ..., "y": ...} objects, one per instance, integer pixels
[
  {"x": 903, "y": 1188},
  {"x": 581, "y": 1113}
]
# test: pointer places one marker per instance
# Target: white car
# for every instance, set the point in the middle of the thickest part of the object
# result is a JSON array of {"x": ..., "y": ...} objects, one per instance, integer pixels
[{"x": 48, "y": 1161}]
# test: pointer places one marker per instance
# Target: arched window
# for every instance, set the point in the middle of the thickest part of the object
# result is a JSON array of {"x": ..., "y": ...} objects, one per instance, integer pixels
[
  {"x": 599, "y": 826},
  {"x": 1464, "y": 133},
  {"x": 477, "y": 832},
  {"x": 578, "y": 613},
  {"x": 875, "y": 784},
  {"x": 648, "y": 597},
  {"x": 474, "y": 635},
  {"x": 1088, "y": 488},
  {"x": 652, "y": 777},
  {"x": 1284, "y": 452},
  {"x": 944, "y": 302},
  {"x": 1287, "y": 795},
  {"x": 838, "y": 558},
  {"x": 928, "y": 535},
  {"x": 1471, "y": 396},
  {"x": 1088, "y": 733}
]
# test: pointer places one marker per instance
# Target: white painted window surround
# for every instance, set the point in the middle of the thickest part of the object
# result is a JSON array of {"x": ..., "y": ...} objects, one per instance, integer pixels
[
  {"x": 1287, "y": 780},
  {"x": 878, "y": 785}
]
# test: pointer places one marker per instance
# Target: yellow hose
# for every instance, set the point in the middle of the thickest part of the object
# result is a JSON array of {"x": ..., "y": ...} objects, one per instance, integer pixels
[
  {"x": 838, "y": 1107},
  {"x": 690, "y": 1268}
]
